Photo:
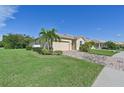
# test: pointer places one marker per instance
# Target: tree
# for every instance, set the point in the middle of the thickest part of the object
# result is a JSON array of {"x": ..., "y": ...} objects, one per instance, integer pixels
[
  {"x": 52, "y": 37},
  {"x": 48, "y": 36},
  {"x": 28, "y": 40},
  {"x": 90, "y": 44},
  {"x": 86, "y": 46},
  {"x": 15, "y": 41},
  {"x": 110, "y": 45},
  {"x": 1, "y": 44},
  {"x": 44, "y": 37}
]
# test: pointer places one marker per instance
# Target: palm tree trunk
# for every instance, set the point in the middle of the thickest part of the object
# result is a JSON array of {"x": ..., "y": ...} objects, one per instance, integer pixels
[
  {"x": 51, "y": 42},
  {"x": 52, "y": 45}
]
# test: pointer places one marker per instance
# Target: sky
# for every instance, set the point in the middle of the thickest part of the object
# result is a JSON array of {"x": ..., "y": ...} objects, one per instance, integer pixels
[{"x": 94, "y": 22}]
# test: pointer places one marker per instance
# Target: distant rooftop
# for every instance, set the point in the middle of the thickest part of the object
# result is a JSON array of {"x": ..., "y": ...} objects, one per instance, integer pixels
[
  {"x": 99, "y": 41},
  {"x": 120, "y": 43}
]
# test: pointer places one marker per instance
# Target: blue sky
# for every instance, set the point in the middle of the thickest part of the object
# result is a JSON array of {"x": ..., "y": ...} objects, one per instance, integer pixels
[{"x": 94, "y": 22}]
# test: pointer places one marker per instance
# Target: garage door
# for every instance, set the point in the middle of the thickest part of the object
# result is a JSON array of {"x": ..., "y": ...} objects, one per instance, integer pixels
[{"x": 63, "y": 46}]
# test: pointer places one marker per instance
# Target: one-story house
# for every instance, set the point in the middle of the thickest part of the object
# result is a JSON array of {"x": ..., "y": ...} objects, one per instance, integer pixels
[{"x": 66, "y": 43}]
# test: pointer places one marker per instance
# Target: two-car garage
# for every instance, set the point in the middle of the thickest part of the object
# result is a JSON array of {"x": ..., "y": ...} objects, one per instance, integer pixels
[{"x": 63, "y": 46}]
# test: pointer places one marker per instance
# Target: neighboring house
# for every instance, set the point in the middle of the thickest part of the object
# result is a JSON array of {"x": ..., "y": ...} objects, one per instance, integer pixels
[
  {"x": 66, "y": 43},
  {"x": 99, "y": 44},
  {"x": 119, "y": 43},
  {"x": 36, "y": 43}
]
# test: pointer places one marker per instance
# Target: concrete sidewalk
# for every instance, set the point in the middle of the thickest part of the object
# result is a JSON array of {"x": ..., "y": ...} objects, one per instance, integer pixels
[
  {"x": 120, "y": 55},
  {"x": 110, "y": 78}
]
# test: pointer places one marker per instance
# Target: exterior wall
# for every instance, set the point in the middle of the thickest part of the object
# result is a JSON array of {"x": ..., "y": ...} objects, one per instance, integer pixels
[{"x": 78, "y": 43}]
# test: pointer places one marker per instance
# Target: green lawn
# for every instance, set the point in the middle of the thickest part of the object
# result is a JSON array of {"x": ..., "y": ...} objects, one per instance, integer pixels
[
  {"x": 27, "y": 68},
  {"x": 102, "y": 52}
]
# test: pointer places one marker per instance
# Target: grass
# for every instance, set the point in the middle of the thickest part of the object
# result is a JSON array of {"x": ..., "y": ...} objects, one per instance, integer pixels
[
  {"x": 102, "y": 52},
  {"x": 21, "y": 68}
]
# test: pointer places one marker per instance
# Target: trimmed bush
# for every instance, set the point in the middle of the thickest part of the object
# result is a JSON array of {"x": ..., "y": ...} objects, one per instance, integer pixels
[
  {"x": 58, "y": 52},
  {"x": 28, "y": 48},
  {"x": 46, "y": 52},
  {"x": 37, "y": 49},
  {"x": 104, "y": 48}
]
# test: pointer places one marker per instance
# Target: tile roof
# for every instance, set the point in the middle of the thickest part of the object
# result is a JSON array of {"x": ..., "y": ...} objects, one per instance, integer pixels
[{"x": 71, "y": 36}]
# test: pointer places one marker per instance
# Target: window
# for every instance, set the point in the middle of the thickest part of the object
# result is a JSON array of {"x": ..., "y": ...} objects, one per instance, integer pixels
[{"x": 81, "y": 42}]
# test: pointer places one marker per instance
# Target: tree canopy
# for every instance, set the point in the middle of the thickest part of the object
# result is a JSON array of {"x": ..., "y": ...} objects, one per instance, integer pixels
[
  {"x": 110, "y": 45},
  {"x": 15, "y": 41}
]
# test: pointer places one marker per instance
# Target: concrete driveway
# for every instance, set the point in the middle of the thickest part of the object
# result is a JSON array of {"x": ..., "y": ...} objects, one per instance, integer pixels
[{"x": 110, "y": 77}]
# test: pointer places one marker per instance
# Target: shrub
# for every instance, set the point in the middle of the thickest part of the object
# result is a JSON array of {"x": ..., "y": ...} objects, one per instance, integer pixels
[
  {"x": 37, "y": 49},
  {"x": 46, "y": 52},
  {"x": 117, "y": 47},
  {"x": 84, "y": 48},
  {"x": 104, "y": 48},
  {"x": 89, "y": 44},
  {"x": 111, "y": 45},
  {"x": 28, "y": 48},
  {"x": 122, "y": 47},
  {"x": 1, "y": 44},
  {"x": 58, "y": 52}
]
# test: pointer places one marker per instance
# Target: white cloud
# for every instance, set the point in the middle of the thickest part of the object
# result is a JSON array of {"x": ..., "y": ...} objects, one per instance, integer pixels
[
  {"x": 6, "y": 13},
  {"x": 118, "y": 35},
  {"x": 99, "y": 28}
]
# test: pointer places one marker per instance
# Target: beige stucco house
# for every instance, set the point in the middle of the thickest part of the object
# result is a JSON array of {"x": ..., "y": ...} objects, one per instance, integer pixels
[{"x": 68, "y": 42}]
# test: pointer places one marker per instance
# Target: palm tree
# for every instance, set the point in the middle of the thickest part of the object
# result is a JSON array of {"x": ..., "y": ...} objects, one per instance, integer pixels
[
  {"x": 48, "y": 36},
  {"x": 52, "y": 37},
  {"x": 43, "y": 37}
]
